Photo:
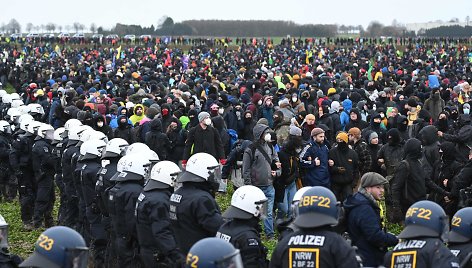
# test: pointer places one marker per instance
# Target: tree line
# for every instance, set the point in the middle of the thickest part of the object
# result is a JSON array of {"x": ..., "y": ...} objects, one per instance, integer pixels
[{"x": 244, "y": 28}]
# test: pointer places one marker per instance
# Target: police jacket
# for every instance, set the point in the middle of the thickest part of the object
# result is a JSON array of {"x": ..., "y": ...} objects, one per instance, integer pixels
[
  {"x": 317, "y": 247},
  {"x": 43, "y": 164},
  {"x": 153, "y": 223},
  {"x": 89, "y": 174},
  {"x": 20, "y": 155},
  {"x": 461, "y": 250},
  {"x": 4, "y": 149},
  {"x": 421, "y": 252},
  {"x": 365, "y": 229},
  {"x": 122, "y": 204},
  {"x": 104, "y": 184},
  {"x": 245, "y": 236},
  {"x": 66, "y": 162},
  {"x": 57, "y": 156},
  {"x": 194, "y": 214}
]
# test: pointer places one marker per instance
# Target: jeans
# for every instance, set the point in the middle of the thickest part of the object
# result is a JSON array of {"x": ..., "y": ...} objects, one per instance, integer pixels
[
  {"x": 284, "y": 208},
  {"x": 269, "y": 192}
]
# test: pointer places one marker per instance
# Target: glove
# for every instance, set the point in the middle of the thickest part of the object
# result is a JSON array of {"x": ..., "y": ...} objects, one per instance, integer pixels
[
  {"x": 184, "y": 163},
  {"x": 223, "y": 161}
]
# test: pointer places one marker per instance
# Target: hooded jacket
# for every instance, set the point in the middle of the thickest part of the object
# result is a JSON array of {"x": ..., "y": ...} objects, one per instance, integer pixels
[
  {"x": 359, "y": 123},
  {"x": 429, "y": 139},
  {"x": 408, "y": 185},
  {"x": 434, "y": 105},
  {"x": 344, "y": 117},
  {"x": 364, "y": 226},
  {"x": 256, "y": 169},
  {"x": 391, "y": 152},
  {"x": 157, "y": 140},
  {"x": 136, "y": 118},
  {"x": 123, "y": 131},
  {"x": 114, "y": 121}
]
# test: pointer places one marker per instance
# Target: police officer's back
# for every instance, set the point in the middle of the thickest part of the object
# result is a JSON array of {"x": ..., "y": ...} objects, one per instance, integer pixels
[
  {"x": 7, "y": 260},
  {"x": 193, "y": 210},
  {"x": 460, "y": 236},
  {"x": 315, "y": 244},
  {"x": 152, "y": 217},
  {"x": 122, "y": 204},
  {"x": 421, "y": 245},
  {"x": 248, "y": 205}
]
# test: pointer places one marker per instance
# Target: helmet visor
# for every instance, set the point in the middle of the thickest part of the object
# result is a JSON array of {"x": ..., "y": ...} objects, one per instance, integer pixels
[
  {"x": 3, "y": 236},
  {"x": 232, "y": 261},
  {"x": 215, "y": 177},
  {"x": 77, "y": 258},
  {"x": 262, "y": 208}
]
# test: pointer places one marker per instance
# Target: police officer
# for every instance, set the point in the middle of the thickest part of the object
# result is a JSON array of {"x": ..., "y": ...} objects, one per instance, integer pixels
[
  {"x": 57, "y": 150},
  {"x": 115, "y": 149},
  {"x": 7, "y": 260},
  {"x": 315, "y": 244},
  {"x": 194, "y": 212},
  {"x": 91, "y": 151},
  {"x": 72, "y": 134},
  {"x": 43, "y": 165},
  {"x": 426, "y": 224},
  {"x": 248, "y": 205},
  {"x": 460, "y": 236},
  {"x": 20, "y": 161},
  {"x": 122, "y": 204},
  {"x": 212, "y": 252},
  {"x": 287, "y": 227},
  {"x": 156, "y": 239},
  {"x": 6, "y": 187},
  {"x": 58, "y": 247}
]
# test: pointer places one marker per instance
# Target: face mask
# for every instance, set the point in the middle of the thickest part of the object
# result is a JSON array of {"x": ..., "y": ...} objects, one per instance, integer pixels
[
  {"x": 259, "y": 102},
  {"x": 100, "y": 124},
  {"x": 382, "y": 116},
  {"x": 267, "y": 137},
  {"x": 207, "y": 121},
  {"x": 294, "y": 99},
  {"x": 221, "y": 111},
  {"x": 466, "y": 111},
  {"x": 108, "y": 87}
]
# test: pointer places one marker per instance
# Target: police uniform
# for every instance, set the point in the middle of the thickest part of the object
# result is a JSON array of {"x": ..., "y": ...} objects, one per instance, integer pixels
[
  {"x": 56, "y": 155},
  {"x": 82, "y": 224},
  {"x": 194, "y": 214},
  {"x": 122, "y": 204},
  {"x": 43, "y": 166},
  {"x": 318, "y": 247},
  {"x": 245, "y": 236},
  {"x": 421, "y": 246},
  {"x": 420, "y": 252},
  {"x": 20, "y": 161},
  {"x": 461, "y": 250},
  {"x": 8, "y": 260},
  {"x": 7, "y": 181},
  {"x": 156, "y": 239},
  {"x": 90, "y": 168},
  {"x": 71, "y": 211}
]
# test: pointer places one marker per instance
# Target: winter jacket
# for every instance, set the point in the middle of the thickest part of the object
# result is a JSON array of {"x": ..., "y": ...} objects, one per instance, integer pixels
[
  {"x": 315, "y": 175},
  {"x": 201, "y": 140},
  {"x": 344, "y": 117},
  {"x": 345, "y": 165},
  {"x": 429, "y": 138},
  {"x": 363, "y": 154},
  {"x": 365, "y": 228},
  {"x": 157, "y": 140},
  {"x": 434, "y": 105},
  {"x": 359, "y": 123},
  {"x": 135, "y": 118},
  {"x": 256, "y": 169},
  {"x": 282, "y": 130}
]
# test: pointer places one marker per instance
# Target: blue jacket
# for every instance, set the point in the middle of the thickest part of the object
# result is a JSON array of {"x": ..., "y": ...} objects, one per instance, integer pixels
[
  {"x": 52, "y": 119},
  {"x": 315, "y": 175},
  {"x": 344, "y": 116},
  {"x": 365, "y": 229}
]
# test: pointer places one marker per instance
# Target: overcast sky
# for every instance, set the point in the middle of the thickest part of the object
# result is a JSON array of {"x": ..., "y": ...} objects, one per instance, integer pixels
[{"x": 147, "y": 12}]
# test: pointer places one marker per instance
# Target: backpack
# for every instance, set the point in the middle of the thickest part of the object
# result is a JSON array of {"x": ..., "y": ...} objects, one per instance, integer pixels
[
  {"x": 233, "y": 137},
  {"x": 138, "y": 133}
]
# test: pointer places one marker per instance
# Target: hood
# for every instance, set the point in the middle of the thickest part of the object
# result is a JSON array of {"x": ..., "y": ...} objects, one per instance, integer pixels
[
  {"x": 356, "y": 111},
  {"x": 449, "y": 151},
  {"x": 169, "y": 110},
  {"x": 347, "y": 105},
  {"x": 156, "y": 125},
  {"x": 429, "y": 135},
  {"x": 119, "y": 119},
  {"x": 136, "y": 107},
  {"x": 218, "y": 122},
  {"x": 259, "y": 130},
  {"x": 393, "y": 136},
  {"x": 120, "y": 109},
  {"x": 353, "y": 201},
  {"x": 412, "y": 149}
]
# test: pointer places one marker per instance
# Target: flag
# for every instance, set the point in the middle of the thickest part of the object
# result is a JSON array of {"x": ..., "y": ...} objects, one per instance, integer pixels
[
  {"x": 118, "y": 52},
  {"x": 369, "y": 72},
  {"x": 460, "y": 99},
  {"x": 168, "y": 61}
]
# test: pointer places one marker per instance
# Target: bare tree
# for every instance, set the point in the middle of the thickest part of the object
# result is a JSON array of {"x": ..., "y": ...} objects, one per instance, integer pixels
[
  {"x": 93, "y": 27},
  {"x": 467, "y": 20},
  {"x": 50, "y": 27},
  {"x": 13, "y": 26},
  {"x": 68, "y": 27},
  {"x": 76, "y": 26},
  {"x": 29, "y": 27},
  {"x": 59, "y": 27},
  {"x": 81, "y": 27}
]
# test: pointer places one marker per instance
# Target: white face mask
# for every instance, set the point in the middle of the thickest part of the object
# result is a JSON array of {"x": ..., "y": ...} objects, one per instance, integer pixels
[
  {"x": 294, "y": 99},
  {"x": 259, "y": 102},
  {"x": 100, "y": 124},
  {"x": 221, "y": 111},
  {"x": 382, "y": 115},
  {"x": 207, "y": 121},
  {"x": 466, "y": 111},
  {"x": 267, "y": 137}
]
